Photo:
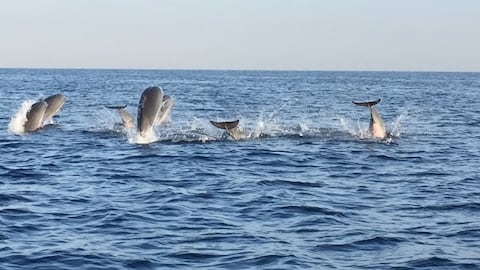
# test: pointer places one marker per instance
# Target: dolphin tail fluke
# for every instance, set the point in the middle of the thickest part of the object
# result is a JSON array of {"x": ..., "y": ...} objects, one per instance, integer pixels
[
  {"x": 366, "y": 104},
  {"x": 225, "y": 125}
]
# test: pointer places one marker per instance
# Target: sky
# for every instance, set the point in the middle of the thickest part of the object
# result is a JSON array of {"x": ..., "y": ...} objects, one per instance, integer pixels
[{"x": 353, "y": 35}]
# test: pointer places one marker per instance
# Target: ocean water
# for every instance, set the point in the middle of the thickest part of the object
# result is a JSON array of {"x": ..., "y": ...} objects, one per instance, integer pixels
[{"x": 307, "y": 190}]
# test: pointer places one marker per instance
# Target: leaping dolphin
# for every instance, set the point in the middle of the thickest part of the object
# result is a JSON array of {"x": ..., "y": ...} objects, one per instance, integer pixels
[
  {"x": 376, "y": 128},
  {"x": 42, "y": 111},
  {"x": 148, "y": 109},
  {"x": 35, "y": 116},
  {"x": 127, "y": 119},
  {"x": 167, "y": 104},
  {"x": 231, "y": 129},
  {"x": 55, "y": 103},
  {"x": 153, "y": 108}
]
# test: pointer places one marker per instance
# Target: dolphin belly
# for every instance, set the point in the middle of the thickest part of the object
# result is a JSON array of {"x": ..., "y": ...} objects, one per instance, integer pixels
[
  {"x": 148, "y": 108},
  {"x": 377, "y": 128},
  {"x": 35, "y": 116}
]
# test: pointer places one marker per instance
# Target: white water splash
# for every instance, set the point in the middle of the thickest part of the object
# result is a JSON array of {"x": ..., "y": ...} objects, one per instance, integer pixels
[
  {"x": 397, "y": 124},
  {"x": 136, "y": 138},
  {"x": 355, "y": 129},
  {"x": 201, "y": 130},
  {"x": 302, "y": 129},
  {"x": 17, "y": 122},
  {"x": 107, "y": 119},
  {"x": 259, "y": 129}
]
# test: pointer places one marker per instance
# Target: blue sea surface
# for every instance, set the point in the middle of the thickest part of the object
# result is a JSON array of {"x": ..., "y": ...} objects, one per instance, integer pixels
[{"x": 312, "y": 192}]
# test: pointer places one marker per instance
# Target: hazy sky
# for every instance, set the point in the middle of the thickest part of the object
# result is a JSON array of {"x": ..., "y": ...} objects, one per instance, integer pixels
[{"x": 414, "y": 35}]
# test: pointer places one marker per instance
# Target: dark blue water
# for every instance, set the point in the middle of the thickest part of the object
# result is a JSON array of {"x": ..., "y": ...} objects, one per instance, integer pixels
[{"x": 313, "y": 193}]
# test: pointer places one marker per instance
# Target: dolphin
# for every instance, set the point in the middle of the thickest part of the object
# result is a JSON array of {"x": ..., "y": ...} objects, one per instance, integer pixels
[
  {"x": 35, "y": 116},
  {"x": 148, "y": 109},
  {"x": 167, "y": 104},
  {"x": 42, "y": 111},
  {"x": 127, "y": 119},
  {"x": 231, "y": 129},
  {"x": 153, "y": 108},
  {"x": 377, "y": 128},
  {"x": 55, "y": 103}
]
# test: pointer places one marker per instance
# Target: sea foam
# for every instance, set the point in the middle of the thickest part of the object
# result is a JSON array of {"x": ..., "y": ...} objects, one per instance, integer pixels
[{"x": 17, "y": 122}]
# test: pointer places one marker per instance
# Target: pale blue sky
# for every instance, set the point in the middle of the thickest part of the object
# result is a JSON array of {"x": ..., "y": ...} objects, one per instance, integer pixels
[{"x": 403, "y": 35}]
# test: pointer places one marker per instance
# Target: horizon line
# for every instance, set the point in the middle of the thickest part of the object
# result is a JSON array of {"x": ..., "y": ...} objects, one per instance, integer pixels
[{"x": 237, "y": 69}]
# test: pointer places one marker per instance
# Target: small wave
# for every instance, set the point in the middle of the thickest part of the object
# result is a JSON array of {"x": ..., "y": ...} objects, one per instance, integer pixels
[
  {"x": 18, "y": 216},
  {"x": 472, "y": 206},
  {"x": 431, "y": 262},
  {"x": 334, "y": 247},
  {"x": 10, "y": 198},
  {"x": 70, "y": 259},
  {"x": 24, "y": 173},
  {"x": 374, "y": 243},
  {"x": 141, "y": 264},
  {"x": 194, "y": 256},
  {"x": 311, "y": 210},
  {"x": 264, "y": 260},
  {"x": 470, "y": 233},
  {"x": 379, "y": 241},
  {"x": 289, "y": 183}
]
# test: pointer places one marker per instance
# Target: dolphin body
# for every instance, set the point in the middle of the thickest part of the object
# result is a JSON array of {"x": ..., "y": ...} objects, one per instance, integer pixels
[
  {"x": 55, "y": 103},
  {"x": 377, "y": 128},
  {"x": 152, "y": 110},
  {"x": 42, "y": 111},
  {"x": 35, "y": 116},
  {"x": 148, "y": 108},
  {"x": 167, "y": 104},
  {"x": 231, "y": 129},
  {"x": 127, "y": 119}
]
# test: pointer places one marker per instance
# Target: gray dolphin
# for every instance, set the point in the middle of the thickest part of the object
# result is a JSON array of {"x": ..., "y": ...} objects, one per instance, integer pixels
[
  {"x": 149, "y": 108},
  {"x": 376, "y": 128},
  {"x": 42, "y": 111},
  {"x": 55, "y": 103},
  {"x": 231, "y": 129},
  {"x": 127, "y": 119},
  {"x": 35, "y": 116},
  {"x": 167, "y": 104},
  {"x": 153, "y": 109}
]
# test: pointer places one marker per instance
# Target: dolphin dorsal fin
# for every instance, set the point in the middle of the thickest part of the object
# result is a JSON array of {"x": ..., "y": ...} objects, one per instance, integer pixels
[
  {"x": 226, "y": 125},
  {"x": 367, "y": 104}
]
